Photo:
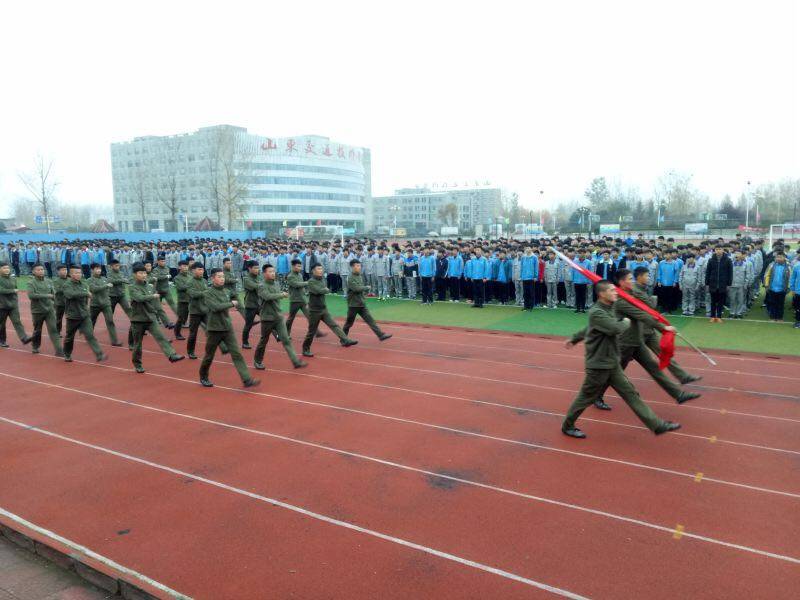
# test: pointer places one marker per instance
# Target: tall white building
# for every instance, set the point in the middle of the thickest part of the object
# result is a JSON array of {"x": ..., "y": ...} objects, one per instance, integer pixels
[
  {"x": 422, "y": 209},
  {"x": 239, "y": 180}
]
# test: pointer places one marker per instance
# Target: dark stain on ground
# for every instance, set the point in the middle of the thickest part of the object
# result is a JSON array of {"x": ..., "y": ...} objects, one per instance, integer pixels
[
  {"x": 123, "y": 532},
  {"x": 443, "y": 479},
  {"x": 523, "y": 411}
]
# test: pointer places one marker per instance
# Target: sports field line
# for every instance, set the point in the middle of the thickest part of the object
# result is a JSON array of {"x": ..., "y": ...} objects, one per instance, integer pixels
[
  {"x": 321, "y": 517},
  {"x": 448, "y": 429},
  {"x": 401, "y": 466},
  {"x": 566, "y": 355}
]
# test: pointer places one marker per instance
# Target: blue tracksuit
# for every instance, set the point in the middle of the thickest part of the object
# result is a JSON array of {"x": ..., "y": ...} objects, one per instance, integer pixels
[
  {"x": 667, "y": 275},
  {"x": 480, "y": 268},
  {"x": 579, "y": 278},
  {"x": 427, "y": 266},
  {"x": 455, "y": 266},
  {"x": 528, "y": 268}
]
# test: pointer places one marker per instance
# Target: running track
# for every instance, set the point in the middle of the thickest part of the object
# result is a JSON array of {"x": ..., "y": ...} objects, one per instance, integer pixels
[{"x": 428, "y": 466}]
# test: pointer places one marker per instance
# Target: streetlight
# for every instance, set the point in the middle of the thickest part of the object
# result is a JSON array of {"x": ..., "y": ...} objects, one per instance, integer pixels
[
  {"x": 394, "y": 209},
  {"x": 747, "y": 206}
]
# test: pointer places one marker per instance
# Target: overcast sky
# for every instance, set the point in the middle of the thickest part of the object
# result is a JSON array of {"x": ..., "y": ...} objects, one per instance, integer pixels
[{"x": 532, "y": 96}]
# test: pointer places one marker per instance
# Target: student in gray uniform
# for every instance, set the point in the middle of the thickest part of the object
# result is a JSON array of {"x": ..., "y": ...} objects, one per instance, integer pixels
[
  {"x": 516, "y": 274},
  {"x": 742, "y": 280},
  {"x": 552, "y": 271},
  {"x": 569, "y": 284},
  {"x": 688, "y": 280},
  {"x": 382, "y": 274},
  {"x": 397, "y": 270}
]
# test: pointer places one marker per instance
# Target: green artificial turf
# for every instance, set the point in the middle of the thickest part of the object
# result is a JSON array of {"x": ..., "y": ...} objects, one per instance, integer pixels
[{"x": 753, "y": 334}]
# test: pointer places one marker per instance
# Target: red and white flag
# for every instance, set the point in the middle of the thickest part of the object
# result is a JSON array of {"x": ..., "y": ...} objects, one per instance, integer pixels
[{"x": 667, "y": 337}]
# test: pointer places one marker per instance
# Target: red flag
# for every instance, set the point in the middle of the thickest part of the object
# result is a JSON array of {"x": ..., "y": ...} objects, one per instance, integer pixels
[{"x": 667, "y": 337}]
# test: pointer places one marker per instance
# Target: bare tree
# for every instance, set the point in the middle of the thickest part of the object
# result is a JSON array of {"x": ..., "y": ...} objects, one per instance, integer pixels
[
  {"x": 140, "y": 195},
  {"x": 42, "y": 185},
  {"x": 448, "y": 213},
  {"x": 166, "y": 190},
  {"x": 22, "y": 211},
  {"x": 228, "y": 167}
]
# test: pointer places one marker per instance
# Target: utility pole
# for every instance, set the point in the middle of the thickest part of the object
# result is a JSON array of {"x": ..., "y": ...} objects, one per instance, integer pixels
[{"x": 747, "y": 206}]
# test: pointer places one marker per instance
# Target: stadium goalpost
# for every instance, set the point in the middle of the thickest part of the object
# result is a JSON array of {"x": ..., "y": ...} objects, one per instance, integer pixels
[{"x": 783, "y": 230}]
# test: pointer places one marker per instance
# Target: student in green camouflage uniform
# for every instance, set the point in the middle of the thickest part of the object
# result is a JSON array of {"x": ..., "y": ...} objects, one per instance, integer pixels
[
  {"x": 232, "y": 284},
  {"x": 99, "y": 287},
  {"x": 198, "y": 313},
  {"x": 355, "y": 302},
  {"x": 42, "y": 295},
  {"x": 119, "y": 282},
  {"x": 603, "y": 365},
  {"x": 58, "y": 286},
  {"x": 318, "y": 311},
  {"x": 182, "y": 282},
  {"x": 652, "y": 338},
  {"x": 76, "y": 296},
  {"x": 9, "y": 306},
  {"x": 271, "y": 295},
  {"x": 298, "y": 295},
  {"x": 220, "y": 329},
  {"x": 152, "y": 279},
  {"x": 162, "y": 275},
  {"x": 252, "y": 283},
  {"x": 632, "y": 345},
  {"x": 144, "y": 318}
]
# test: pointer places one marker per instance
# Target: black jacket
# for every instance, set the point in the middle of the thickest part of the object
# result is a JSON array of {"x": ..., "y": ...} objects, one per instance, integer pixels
[{"x": 719, "y": 273}]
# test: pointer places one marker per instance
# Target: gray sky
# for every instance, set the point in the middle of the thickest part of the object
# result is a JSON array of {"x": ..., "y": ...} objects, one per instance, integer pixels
[{"x": 528, "y": 95}]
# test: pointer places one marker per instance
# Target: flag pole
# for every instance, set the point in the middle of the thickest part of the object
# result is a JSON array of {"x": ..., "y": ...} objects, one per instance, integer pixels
[{"x": 695, "y": 348}]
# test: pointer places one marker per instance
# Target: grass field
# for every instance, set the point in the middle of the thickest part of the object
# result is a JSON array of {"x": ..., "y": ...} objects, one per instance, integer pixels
[{"x": 753, "y": 334}]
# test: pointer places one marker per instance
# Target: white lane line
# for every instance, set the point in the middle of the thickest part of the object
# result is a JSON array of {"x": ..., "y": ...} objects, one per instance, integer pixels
[
  {"x": 373, "y": 459},
  {"x": 325, "y": 518},
  {"x": 456, "y": 431},
  {"x": 75, "y": 547},
  {"x": 564, "y": 355},
  {"x": 559, "y": 369}
]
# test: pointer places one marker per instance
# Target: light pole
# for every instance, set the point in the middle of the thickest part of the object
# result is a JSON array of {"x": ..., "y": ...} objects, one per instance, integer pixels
[
  {"x": 394, "y": 209},
  {"x": 747, "y": 206}
]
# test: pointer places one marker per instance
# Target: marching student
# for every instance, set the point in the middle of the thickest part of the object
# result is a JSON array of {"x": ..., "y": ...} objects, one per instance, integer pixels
[
  {"x": 42, "y": 295},
  {"x": 318, "y": 311},
  {"x": 632, "y": 346},
  {"x": 58, "y": 287},
  {"x": 99, "y": 287},
  {"x": 162, "y": 278},
  {"x": 271, "y": 318},
  {"x": 252, "y": 283},
  {"x": 355, "y": 303},
  {"x": 298, "y": 296},
  {"x": 119, "y": 282},
  {"x": 198, "y": 313},
  {"x": 182, "y": 282},
  {"x": 652, "y": 338},
  {"x": 603, "y": 367},
  {"x": 144, "y": 318},
  {"x": 76, "y": 296},
  {"x": 152, "y": 279},
  {"x": 219, "y": 329},
  {"x": 9, "y": 306}
]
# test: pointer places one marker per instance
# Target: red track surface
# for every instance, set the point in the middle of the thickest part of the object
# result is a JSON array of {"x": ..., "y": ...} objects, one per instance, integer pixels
[{"x": 429, "y": 466}]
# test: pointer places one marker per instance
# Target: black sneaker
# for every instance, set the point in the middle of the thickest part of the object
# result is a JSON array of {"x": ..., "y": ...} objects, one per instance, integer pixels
[
  {"x": 691, "y": 379},
  {"x": 179, "y": 338},
  {"x": 3, "y": 345},
  {"x": 67, "y": 358},
  {"x": 34, "y": 351},
  {"x": 601, "y": 405},
  {"x": 348, "y": 342},
  {"x": 26, "y": 340},
  {"x": 140, "y": 369},
  {"x": 666, "y": 427},
  {"x": 206, "y": 383},
  {"x": 117, "y": 344},
  {"x": 252, "y": 383},
  {"x": 176, "y": 358},
  {"x": 246, "y": 346},
  {"x": 384, "y": 336},
  {"x": 308, "y": 353},
  {"x": 259, "y": 366},
  {"x": 686, "y": 396},
  {"x": 573, "y": 432},
  {"x": 192, "y": 356},
  {"x": 103, "y": 357},
  {"x": 300, "y": 364}
]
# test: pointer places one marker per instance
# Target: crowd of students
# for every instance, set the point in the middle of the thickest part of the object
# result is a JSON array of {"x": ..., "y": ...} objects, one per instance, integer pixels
[{"x": 702, "y": 277}]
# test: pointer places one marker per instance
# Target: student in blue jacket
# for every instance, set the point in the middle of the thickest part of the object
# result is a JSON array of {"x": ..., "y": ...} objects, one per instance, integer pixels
[
  {"x": 480, "y": 274},
  {"x": 502, "y": 277},
  {"x": 581, "y": 281},
  {"x": 528, "y": 274},
  {"x": 455, "y": 271},
  {"x": 427, "y": 271}
]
